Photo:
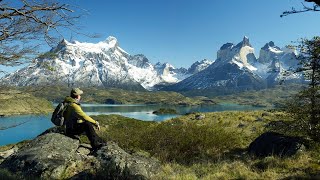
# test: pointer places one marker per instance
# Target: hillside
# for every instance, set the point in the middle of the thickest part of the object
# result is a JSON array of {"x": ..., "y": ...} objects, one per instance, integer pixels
[
  {"x": 14, "y": 102},
  {"x": 117, "y": 96}
]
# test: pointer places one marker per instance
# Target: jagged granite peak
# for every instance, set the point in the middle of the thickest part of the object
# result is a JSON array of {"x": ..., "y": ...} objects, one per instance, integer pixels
[
  {"x": 269, "y": 45},
  {"x": 245, "y": 42},
  {"x": 227, "y": 46},
  {"x": 242, "y": 54},
  {"x": 274, "y": 62},
  {"x": 232, "y": 71},
  {"x": 269, "y": 52},
  {"x": 237, "y": 69},
  {"x": 139, "y": 60},
  {"x": 199, "y": 66}
]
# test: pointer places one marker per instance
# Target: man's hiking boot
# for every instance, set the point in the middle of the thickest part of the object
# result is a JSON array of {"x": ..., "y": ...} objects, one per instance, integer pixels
[{"x": 95, "y": 149}]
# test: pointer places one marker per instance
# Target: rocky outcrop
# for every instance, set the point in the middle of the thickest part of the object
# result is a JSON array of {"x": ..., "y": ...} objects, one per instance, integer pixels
[
  {"x": 56, "y": 156},
  {"x": 7, "y": 153},
  {"x": 46, "y": 157},
  {"x": 271, "y": 143},
  {"x": 118, "y": 164}
]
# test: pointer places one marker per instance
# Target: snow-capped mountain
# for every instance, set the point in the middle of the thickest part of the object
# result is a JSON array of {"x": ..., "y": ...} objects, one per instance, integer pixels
[
  {"x": 236, "y": 68},
  {"x": 230, "y": 70},
  {"x": 199, "y": 66},
  {"x": 103, "y": 64},
  {"x": 276, "y": 65}
]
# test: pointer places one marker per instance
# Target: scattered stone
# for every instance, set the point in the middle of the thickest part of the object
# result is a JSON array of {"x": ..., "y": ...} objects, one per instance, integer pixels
[
  {"x": 265, "y": 114},
  {"x": 271, "y": 143},
  {"x": 200, "y": 116},
  {"x": 241, "y": 125},
  {"x": 259, "y": 119}
]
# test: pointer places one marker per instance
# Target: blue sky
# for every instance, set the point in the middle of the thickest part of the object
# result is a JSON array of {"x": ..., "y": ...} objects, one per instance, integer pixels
[{"x": 184, "y": 31}]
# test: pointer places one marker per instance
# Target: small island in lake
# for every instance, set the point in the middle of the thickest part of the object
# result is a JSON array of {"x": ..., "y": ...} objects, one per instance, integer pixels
[{"x": 165, "y": 111}]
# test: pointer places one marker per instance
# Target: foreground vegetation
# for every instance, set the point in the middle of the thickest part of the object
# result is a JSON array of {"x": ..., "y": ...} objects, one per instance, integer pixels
[{"x": 212, "y": 148}]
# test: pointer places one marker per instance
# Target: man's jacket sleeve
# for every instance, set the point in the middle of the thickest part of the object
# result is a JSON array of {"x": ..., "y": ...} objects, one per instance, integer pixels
[{"x": 82, "y": 115}]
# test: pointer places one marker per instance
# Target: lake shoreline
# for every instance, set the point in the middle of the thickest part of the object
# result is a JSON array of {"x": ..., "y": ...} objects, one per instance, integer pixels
[
  {"x": 54, "y": 104},
  {"x": 36, "y": 124}
]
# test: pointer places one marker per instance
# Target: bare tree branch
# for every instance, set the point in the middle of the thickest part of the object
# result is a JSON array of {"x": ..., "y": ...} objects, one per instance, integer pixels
[
  {"x": 305, "y": 8},
  {"x": 24, "y": 24}
]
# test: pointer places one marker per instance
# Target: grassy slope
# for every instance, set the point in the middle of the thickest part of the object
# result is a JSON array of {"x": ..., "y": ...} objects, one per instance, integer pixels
[
  {"x": 276, "y": 96},
  {"x": 208, "y": 149},
  {"x": 14, "y": 102}
]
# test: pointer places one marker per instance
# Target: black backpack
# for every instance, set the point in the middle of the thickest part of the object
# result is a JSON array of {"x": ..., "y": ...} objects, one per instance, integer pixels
[{"x": 57, "y": 116}]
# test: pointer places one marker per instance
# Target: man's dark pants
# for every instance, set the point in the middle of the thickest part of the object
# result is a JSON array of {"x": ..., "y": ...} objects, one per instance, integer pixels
[{"x": 88, "y": 129}]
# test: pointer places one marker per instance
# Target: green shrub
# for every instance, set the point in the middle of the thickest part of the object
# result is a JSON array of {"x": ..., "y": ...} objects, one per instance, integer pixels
[
  {"x": 127, "y": 132},
  {"x": 177, "y": 140},
  {"x": 186, "y": 141}
]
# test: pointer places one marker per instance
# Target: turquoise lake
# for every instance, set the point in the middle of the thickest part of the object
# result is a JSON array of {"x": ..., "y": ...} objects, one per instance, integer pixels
[{"x": 14, "y": 129}]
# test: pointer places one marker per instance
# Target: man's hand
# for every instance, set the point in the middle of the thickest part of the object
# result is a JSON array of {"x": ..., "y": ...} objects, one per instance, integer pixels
[{"x": 98, "y": 125}]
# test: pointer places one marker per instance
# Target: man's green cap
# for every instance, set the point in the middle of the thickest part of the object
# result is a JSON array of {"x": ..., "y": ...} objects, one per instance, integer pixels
[{"x": 76, "y": 91}]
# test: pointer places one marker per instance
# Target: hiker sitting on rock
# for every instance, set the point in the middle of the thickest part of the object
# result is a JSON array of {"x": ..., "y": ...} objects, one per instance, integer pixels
[{"x": 78, "y": 122}]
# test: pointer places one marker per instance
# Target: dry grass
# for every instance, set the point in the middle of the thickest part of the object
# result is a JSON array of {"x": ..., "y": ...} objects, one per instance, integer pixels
[{"x": 13, "y": 102}]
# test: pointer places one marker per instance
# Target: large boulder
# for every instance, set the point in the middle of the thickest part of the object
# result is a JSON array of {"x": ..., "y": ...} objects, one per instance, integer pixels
[
  {"x": 47, "y": 156},
  {"x": 56, "y": 156},
  {"x": 271, "y": 143},
  {"x": 118, "y": 164}
]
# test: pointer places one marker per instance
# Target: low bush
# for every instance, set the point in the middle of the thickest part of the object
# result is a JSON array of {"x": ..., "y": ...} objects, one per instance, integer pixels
[
  {"x": 176, "y": 140},
  {"x": 187, "y": 141}
]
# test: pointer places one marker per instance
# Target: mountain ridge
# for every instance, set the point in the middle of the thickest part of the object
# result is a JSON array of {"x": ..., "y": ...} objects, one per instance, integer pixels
[{"x": 106, "y": 64}]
